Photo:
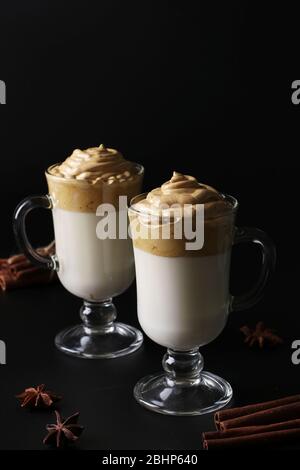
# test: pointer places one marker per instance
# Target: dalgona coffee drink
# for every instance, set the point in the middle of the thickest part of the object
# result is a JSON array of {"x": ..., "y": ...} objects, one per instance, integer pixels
[
  {"x": 92, "y": 268},
  {"x": 89, "y": 187},
  {"x": 182, "y": 293}
]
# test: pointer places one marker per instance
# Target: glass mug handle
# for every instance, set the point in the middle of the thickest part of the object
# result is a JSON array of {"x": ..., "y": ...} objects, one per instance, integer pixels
[
  {"x": 254, "y": 235},
  {"x": 19, "y": 225}
]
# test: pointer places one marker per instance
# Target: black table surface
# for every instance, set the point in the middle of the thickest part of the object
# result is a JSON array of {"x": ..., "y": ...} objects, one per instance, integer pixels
[{"x": 102, "y": 389}]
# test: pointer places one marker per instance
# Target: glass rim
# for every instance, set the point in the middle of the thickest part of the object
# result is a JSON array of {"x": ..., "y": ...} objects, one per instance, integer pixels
[
  {"x": 227, "y": 197},
  {"x": 140, "y": 172}
]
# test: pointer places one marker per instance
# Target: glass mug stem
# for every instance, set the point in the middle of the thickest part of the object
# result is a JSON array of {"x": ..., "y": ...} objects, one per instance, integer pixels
[
  {"x": 99, "y": 336},
  {"x": 183, "y": 366},
  {"x": 98, "y": 317}
]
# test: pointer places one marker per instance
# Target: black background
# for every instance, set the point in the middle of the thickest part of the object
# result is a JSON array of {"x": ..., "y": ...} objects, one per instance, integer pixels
[{"x": 200, "y": 87}]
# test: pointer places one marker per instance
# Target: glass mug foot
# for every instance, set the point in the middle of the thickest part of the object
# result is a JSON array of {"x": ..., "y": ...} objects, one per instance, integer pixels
[
  {"x": 99, "y": 336},
  {"x": 120, "y": 341},
  {"x": 184, "y": 389}
]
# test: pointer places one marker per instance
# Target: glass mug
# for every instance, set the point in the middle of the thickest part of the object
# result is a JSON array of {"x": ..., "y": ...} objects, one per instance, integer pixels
[
  {"x": 93, "y": 269},
  {"x": 183, "y": 303}
]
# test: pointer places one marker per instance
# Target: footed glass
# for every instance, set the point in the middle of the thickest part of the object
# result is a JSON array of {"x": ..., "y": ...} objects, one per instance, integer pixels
[
  {"x": 91, "y": 268},
  {"x": 183, "y": 304}
]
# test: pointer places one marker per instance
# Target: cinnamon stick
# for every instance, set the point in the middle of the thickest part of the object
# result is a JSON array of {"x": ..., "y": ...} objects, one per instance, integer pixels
[
  {"x": 232, "y": 413},
  {"x": 20, "y": 265},
  {"x": 18, "y": 271},
  {"x": 253, "y": 440},
  {"x": 266, "y": 416},
  {"x": 34, "y": 275},
  {"x": 248, "y": 430},
  {"x": 5, "y": 279}
]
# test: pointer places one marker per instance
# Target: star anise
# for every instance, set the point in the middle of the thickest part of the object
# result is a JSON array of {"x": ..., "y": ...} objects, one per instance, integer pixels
[
  {"x": 260, "y": 335},
  {"x": 63, "y": 431},
  {"x": 37, "y": 397}
]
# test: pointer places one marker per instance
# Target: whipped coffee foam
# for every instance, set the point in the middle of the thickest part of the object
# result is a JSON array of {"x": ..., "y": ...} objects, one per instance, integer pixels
[
  {"x": 170, "y": 200},
  {"x": 94, "y": 164},
  {"x": 91, "y": 177},
  {"x": 181, "y": 190}
]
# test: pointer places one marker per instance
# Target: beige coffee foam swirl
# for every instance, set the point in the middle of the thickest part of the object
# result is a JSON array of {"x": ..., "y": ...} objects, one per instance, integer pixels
[
  {"x": 181, "y": 190},
  {"x": 93, "y": 176},
  {"x": 95, "y": 164}
]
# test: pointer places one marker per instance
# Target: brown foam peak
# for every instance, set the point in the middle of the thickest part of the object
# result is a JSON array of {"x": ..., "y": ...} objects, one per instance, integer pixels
[
  {"x": 180, "y": 189},
  {"x": 94, "y": 164}
]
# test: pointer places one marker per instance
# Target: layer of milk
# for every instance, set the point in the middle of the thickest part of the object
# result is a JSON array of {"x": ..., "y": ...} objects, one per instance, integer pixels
[
  {"x": 183, "y": 302},
  {"x": 89, "y": 267}
]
